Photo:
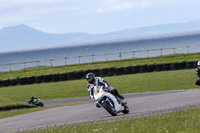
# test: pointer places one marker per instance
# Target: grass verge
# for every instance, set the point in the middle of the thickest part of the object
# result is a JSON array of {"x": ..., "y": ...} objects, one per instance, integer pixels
[
  {"x": 133, "y": 83},
  {"x": 185, "y": 121}
]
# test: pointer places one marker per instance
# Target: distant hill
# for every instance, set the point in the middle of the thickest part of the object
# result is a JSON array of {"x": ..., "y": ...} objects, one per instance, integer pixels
[{"x": 23, "y": 37}]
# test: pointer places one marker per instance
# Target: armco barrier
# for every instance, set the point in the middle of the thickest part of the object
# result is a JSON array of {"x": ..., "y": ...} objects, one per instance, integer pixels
[
  {"x": 102, "y": 72},
  {"x": 135, "y": 69},
  {"x": 95, "y": 72},
  {"x": 189, "y": 64},
  {"x": 14, "y": 82},
  {"x": 0, "y": 83},
  {"x": 143, "y": 68},
  {"x": 181, "y": 65},
  {"x": 79, "y": 75},
  {"x": 166, "y": 66},
  {"x": 30, "y": 80},
  {"x": 86, "y": 72},
  {"x": 55, "y": 77},
  {"x": 127, "y": 70},
  {"x": 174, "y": 66},
  {"x": 71, "y": 76},
  {"x": 47, "y": 78},
  {"x": 151, "y": 68},
  {"x": 23, "y": 81},
  {"x": 111, "y": 71},
  {"x": 63, "y": 76},
  {"x": 6, "y": 82},
  {"x": 11, "y": 107},
  {"x": 158, "y": 67},
  {"x": 39, "y": 79},
  {"x": 119, "y": 71},
  {"x": 195, "y": 64}
]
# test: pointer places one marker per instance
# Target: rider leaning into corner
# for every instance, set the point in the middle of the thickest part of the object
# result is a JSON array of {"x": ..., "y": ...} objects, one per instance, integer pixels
[
  {"x": 198, "y": 73},
  {"x": 98, "y": 81},
  {"x": 32, "y": 98}
]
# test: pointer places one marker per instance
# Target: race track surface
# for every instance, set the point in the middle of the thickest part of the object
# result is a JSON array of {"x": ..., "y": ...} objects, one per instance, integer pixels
[{"x": 139, "y": 104}]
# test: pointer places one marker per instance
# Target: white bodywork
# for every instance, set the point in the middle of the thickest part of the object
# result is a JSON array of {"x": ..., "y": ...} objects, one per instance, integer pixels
[{"x": 99, "y": 94}]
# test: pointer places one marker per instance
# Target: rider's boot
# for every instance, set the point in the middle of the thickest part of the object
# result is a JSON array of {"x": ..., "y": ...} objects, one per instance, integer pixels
[
  {"x": 120, "y": 96},
  {"x": 124, "y": 103},
  {"x": 115, "y": 93}
]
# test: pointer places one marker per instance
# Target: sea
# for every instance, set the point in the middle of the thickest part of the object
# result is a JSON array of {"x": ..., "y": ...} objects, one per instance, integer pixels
[{"x": 74, "y": 54}]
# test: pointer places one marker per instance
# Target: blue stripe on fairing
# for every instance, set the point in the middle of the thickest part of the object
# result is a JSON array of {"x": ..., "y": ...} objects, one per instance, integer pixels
[{"x": 98, "y": 82}]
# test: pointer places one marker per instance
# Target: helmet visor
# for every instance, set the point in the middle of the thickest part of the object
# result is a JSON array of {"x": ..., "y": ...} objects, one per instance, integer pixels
[{"x": 90, "y": 80}]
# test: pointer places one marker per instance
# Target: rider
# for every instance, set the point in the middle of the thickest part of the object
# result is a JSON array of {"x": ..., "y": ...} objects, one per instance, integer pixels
[
  {"x": 32, "y": 99},
  {"x": 98, "y": 81},
  {"x": 198, "y": 73}
]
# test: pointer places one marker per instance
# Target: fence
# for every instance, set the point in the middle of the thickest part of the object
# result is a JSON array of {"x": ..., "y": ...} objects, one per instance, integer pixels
[{"x": 104, "y": 57}]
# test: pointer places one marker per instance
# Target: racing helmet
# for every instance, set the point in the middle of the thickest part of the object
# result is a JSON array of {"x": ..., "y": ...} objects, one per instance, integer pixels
[
  {"x": 32, "y": 97},
  {"x": 198, "y": 64},
  {"x": 90, "y": 78}
]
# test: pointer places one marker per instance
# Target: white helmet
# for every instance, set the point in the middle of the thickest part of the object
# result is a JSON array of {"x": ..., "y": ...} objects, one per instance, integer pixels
[{"x": 198, "y": 64}]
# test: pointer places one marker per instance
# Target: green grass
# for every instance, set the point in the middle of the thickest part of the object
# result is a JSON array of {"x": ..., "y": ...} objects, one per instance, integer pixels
[
  {"x": 185, "y": 121},
  {"x": 133, "y": 83},
  {"x": 36, "y": 71}
]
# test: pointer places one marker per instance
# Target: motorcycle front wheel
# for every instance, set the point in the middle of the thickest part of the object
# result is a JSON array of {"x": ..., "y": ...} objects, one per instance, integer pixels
[
  {"x": 41, "y": 104},
  {"x": 126, "y": 109},
  {"x": 109, "y": 109}
]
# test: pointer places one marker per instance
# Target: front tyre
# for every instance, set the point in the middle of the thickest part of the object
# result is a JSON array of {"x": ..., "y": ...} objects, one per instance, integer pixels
[
  {"x": 109, "y": 109},
  {"x": 126, "y": 109}
]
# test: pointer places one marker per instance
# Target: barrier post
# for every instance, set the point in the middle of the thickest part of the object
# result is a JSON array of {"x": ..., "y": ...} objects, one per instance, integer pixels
[
  {"x": 79, "y": 60},
  {"x": 161, "y": 52},
  {"x": 10, "y": 68},
  {"x": 38, "y": 64},
  {"x": 174, "y": 51},
  {"x": 24, "y": 67},
  {"x": 188, "y": 49},
  {"x": 65, "y": 60},
  {"x": 133, "y": 54},
  {"x": 106, "y": 57},
  {"x": 92, "y": 58},
  {"x": 51, "y": 62},
  {"x": 120, "y": 55}
]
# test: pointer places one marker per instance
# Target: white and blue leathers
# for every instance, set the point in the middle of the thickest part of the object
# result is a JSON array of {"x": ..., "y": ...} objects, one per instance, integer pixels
[{"x": 98, "y": 82}]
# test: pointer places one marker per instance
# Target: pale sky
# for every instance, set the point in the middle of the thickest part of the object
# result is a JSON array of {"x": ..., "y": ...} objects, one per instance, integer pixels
[{"x": 95, "y": 16}]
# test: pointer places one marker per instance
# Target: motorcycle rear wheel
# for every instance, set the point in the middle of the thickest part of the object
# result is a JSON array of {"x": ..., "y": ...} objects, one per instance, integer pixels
[{"x": 109, "y": 109}]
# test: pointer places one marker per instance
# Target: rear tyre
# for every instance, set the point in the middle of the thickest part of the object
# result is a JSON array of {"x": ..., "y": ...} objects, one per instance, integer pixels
[
  {"x": 109, "y": 109},
  {"x": 126, "y": 109}
]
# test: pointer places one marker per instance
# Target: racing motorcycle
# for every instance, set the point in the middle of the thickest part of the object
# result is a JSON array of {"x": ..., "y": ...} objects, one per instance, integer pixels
[
  {"x": 109, "y": 102},
  {"x": 36, "y": 102}
]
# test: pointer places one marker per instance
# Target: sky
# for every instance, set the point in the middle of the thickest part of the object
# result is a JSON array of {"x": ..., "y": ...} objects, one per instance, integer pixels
[{"x": 95, "y": 16}]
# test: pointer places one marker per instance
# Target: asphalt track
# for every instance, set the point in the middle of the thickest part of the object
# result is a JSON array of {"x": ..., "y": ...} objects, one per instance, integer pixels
[{"x": 139, "y": 104}]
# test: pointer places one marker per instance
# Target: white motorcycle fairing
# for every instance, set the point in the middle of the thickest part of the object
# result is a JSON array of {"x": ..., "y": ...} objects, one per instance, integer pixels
[{"x": 109, "y": 102}]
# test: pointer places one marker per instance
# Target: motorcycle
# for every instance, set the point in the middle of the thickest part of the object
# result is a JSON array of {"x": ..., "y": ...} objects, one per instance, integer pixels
[
  {"x": 109, "y": 102},
  {"x": 36, "y": 102}
]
